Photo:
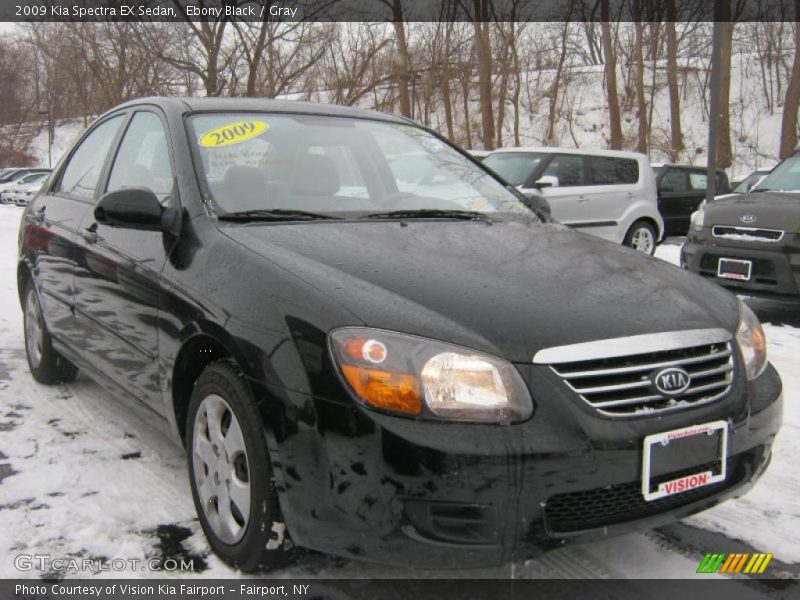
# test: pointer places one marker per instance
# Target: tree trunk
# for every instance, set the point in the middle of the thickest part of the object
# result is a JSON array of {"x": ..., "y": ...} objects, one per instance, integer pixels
[
  {"x": 676, "y": 134},
  {"x": 503, "y": 95},
  {"x": 640, "y": 99},
  {"x": 555, "y": 87},
  {"x": 484, "y": 50},
  {"x": 517, "y": 90},
  {"x": 611, "y": 78},
  {"x": 445, "y": 84},
  {"x": 403, "y": 62},
  {"x": 724, "y": 150},
  {"x": 792, "y": 101},
  {"x": 465, "y": 95}
]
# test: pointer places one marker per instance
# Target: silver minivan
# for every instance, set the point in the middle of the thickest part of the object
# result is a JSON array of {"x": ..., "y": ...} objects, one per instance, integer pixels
[{"x": 608, "y": 193}]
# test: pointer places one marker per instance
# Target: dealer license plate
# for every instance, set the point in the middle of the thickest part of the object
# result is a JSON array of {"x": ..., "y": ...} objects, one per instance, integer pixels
[
  {"x": 734, "y": 268},
  {"x": 704, "y": 446}
]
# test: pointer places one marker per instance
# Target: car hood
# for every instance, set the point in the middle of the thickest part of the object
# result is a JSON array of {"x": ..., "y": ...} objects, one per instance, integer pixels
[
  {"x": 511, "y": 288},
  {"x": 772, "y": 210}
]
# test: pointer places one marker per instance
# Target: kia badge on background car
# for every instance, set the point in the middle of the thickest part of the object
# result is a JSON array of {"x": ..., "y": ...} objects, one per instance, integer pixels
[
  {"x": 750, "y": 242},
  {"x": 413, "y": 369}
]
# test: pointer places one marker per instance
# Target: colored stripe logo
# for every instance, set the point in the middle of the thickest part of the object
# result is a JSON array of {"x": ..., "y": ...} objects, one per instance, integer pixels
[{"x": 735, "y": 562}]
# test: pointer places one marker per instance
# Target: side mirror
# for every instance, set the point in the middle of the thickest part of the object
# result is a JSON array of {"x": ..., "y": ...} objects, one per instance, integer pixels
[
  {"x": 547, "y": 181},
  {"x": 130, "y": 208}
]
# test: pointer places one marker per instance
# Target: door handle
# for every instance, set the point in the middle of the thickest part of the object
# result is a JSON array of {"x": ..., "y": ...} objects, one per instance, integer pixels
[
  {"x": 582, "y": 199},
  {"x": 90, "y": 233}
]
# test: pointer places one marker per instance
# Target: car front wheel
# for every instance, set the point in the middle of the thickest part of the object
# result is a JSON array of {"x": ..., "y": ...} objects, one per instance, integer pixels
[
  {"x": 642, "y": 237},
  {"x": 46, "y": 365},
  {"x": 231, "y": 477}
]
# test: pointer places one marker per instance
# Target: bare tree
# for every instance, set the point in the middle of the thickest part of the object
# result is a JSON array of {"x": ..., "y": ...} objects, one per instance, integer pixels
[
  {"x": 402, "y": 60},
  {"x": 791, "y": 103},
  {"x": 555, "y": 86},
  {"x": 724, "y": 150},
  {"x": 638, "y": 53},
  {"x": 198, "y": 48},
  {"x": 354, "y": 66},
  {"x": 676, "y": 135},
  {"x": 481, "y": 17},
  {"x": 611, "y": 77}
]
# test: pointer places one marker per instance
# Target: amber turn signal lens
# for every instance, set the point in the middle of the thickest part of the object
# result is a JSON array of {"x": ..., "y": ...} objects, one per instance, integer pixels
[{"x": 397, "y": 392}]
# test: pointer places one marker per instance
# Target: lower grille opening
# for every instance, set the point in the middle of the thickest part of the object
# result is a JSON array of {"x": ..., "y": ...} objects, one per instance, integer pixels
[
  {"x": 452, "y": 522},
  {"x": 600, "y": 507}
]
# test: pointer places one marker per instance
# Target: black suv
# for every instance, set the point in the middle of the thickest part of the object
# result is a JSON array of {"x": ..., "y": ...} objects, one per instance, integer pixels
[
  {"x": 750, "y": 242},
  {"x": 415, "y": 370},
  {"x": 681, "y": 189}
]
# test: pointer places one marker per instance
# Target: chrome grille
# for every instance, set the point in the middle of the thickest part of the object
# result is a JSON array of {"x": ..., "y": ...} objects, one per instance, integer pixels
[
  {"x": 754, "y": 234},
  {"x": 622, "y": 384}
]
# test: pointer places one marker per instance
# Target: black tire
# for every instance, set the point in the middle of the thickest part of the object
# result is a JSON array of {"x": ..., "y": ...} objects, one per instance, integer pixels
[
  {"x": 46, "y": 365},
  {"x": 639, "y": 231},
  {"x": 265, "y": 543}
]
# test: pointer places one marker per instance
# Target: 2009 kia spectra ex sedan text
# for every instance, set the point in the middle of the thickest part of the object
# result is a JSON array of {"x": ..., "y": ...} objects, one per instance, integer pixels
[{"x": 397, "y": 364}]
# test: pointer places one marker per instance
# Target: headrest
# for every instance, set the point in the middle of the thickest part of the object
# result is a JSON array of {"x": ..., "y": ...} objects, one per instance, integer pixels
[
  {"x": 315, "y": 175},
  {"x": 244, "y": 188}
]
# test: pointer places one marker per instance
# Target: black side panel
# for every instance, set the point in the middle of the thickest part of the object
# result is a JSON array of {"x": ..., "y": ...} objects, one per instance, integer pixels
[{"x": 50, "y": 246}]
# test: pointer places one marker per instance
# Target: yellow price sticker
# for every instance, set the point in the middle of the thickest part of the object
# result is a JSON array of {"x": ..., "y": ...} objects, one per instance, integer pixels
[{"x": 233, "y": 133}]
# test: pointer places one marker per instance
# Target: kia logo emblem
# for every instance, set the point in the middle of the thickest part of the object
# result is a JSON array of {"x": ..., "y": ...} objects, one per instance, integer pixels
[
  {"x": 672, "y": 381},
  {"x": 748, "y": 218}
]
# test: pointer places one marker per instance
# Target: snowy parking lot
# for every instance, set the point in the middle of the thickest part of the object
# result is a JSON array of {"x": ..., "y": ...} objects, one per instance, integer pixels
[{"x": 83, "y": 477}]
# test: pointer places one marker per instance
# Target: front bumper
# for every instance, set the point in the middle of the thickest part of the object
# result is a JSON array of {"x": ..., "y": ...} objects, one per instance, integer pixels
[
  {"x": 444, "y": 495},
  {"x": 776, "y": 267}
]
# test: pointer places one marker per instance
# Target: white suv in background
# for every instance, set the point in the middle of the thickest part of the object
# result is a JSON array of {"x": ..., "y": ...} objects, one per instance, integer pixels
[{"x": 608, "y": 193}]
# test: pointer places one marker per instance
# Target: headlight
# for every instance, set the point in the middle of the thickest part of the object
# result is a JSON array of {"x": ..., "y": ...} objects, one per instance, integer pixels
[
  {"x": 752, "y": 342},
  {"x": 418, "y": 377},
  {"x": 698, "y": 217}
]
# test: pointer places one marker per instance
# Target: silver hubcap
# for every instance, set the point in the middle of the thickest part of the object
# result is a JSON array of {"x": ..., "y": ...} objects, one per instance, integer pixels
[
  {"x": 221, "y": 469},
  {"x": 642, "y": 240},
  {"x": 34, "y": 333}
]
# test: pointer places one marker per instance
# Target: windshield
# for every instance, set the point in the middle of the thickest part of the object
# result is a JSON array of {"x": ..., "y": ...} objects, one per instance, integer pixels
[
  {"x": 33, "y": 178},
  {"x": 748, "y": 182},
  {"x": 783, "y": 178},
  {"x": 337, "y": 166},
  {"x": 514, "y": 167}
]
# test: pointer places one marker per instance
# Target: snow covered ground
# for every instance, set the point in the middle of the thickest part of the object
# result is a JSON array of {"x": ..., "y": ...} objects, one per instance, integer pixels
[{"x": 82, "y": 477}]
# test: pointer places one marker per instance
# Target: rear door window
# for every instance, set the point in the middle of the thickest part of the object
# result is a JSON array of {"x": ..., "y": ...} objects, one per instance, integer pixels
[
  {"x": 674, "y": 180},
  {"x": 614, "y": 171},
  {"x": 698, "y": 181}
]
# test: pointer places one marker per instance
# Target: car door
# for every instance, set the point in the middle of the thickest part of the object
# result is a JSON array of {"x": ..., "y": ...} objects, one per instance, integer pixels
[
  {"x": 51, "y": 224},
  {"x": 614, "y": 188},
  {"x": 566, "y": 188},
  {"x": 674, "y": 199},
  {"x": 117, "y": 287}
]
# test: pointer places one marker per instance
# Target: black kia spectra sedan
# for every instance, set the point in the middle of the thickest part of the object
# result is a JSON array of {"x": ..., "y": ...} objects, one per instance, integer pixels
[
  {"x": 750, "y": 242},
  {"x": 401, "y": 365}
]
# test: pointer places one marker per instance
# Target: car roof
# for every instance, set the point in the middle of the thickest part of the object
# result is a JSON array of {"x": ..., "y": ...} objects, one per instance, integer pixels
[
  {"x": 557, "y": 150},
  {"x": 210, "y": 104},
  {"x": 689, "y": 167}
]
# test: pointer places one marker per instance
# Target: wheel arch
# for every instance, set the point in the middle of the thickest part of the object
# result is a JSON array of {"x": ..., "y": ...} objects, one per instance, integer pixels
[
  {"x": 202, "y": 343},
  {"x": 24, "y": 275}
]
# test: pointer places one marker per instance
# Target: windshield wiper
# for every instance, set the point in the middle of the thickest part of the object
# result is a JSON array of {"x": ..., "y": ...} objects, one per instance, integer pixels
[
  {"x": 430, "y": 213},
  {"x": 273, "y": 214}
]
